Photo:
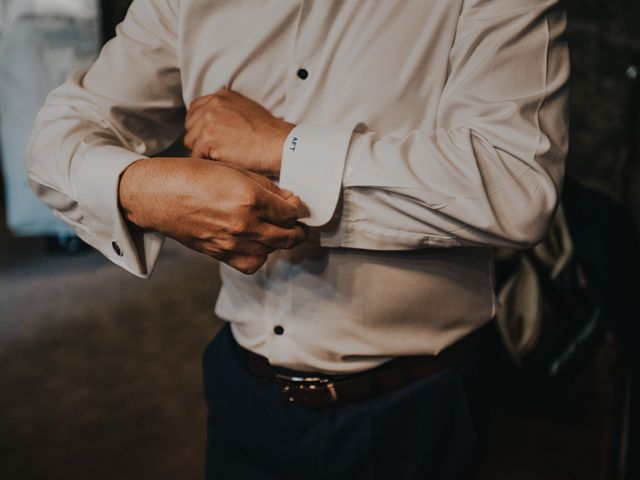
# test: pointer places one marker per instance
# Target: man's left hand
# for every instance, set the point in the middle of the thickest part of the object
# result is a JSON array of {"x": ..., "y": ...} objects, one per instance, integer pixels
[{"x": 230, "y": 127}]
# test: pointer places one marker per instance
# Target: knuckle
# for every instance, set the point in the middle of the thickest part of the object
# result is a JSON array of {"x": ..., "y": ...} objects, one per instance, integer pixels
[
  {"x": 247, "y": 198},
  {"x": 201, "y": 234},
  {"x": 209, "y": 117},
  {"x": 227, "y": 245},
  {"x": 218, "y": 99},
  {"x": 223, "y": 92},
  {"x": 231, "y": 244},
  {"x": 212, "y": 151},
  {"x": 238, "y": 226}
]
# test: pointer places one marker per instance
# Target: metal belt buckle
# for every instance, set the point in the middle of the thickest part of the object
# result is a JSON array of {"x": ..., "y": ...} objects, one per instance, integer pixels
[{"x": 301, "y": 386}]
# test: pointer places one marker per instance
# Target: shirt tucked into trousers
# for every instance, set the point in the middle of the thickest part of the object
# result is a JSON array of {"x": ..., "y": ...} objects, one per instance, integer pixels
[{"x": 428, "y": 430}]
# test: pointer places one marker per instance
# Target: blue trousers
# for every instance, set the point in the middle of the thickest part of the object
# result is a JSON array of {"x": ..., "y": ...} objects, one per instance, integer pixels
[{"x": 425, "y": 430}]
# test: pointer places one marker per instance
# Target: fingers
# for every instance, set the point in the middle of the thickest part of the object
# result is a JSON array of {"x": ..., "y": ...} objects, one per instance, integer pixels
[
  {"x": 199, "y": 139},
  {"x": 279, "y": 207},
  {"x": 194, "y": 117},
  {"x": 246, "y": 263},
  {"x": 248, "y": 255},
  {"x": 192, "y": 134},
  {"x": 281, "y": 238},
  {"x": 297, "y": 203},
  {"x": 245, "y": 256},
  {"x": 194, "y": 123},
  {"x": 201, "y": 149},
  {"x": 269, "y": 185},
  {"x": 196, "y": 109},
  {"x": 200, "y": 101},
  {"x": 276, "y": 210},
  {"x": 249, "y": 247},
  {"x": 278, "y": 238}
]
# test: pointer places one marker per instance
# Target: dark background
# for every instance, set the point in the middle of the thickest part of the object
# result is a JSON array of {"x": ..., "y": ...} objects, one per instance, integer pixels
[{"x": 604, "y": 36}]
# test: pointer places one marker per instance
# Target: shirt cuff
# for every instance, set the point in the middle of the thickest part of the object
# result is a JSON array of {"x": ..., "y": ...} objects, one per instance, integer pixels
[
  {"x": 106, "y": 229},
  {"x": 313, "y": 159}
]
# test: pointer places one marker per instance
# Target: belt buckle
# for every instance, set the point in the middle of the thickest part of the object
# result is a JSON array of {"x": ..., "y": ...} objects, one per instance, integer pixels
[{"x": 301, "y": 386}]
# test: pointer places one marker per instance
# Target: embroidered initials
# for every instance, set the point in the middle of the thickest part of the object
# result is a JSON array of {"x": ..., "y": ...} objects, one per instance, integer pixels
[{"x": 294, "y": 141}]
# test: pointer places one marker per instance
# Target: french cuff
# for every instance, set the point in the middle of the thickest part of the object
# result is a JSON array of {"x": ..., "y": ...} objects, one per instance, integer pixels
[
  {"x": 313, "y": 159},
  {"x": 97, "y": 181}
]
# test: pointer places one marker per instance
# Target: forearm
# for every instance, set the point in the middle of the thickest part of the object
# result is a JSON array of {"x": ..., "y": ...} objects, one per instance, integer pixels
[
  {"x": 235, "y": 216},
  {"x": 138, "y": 189}
]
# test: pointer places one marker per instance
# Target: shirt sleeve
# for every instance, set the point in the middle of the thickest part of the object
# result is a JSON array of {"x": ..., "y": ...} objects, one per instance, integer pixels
[
  {"x": 488, "y": 175},
  {"x": 127, "y": 106}
]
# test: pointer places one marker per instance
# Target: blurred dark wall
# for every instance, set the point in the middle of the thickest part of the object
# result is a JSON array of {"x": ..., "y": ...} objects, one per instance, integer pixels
[
  {"x": 604, "y": 36},
  {"x": 113, "y": 11}
]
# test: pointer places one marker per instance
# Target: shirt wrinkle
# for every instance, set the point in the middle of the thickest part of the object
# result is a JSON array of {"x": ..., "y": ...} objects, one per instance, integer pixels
[{"x": 411, "y": 149}]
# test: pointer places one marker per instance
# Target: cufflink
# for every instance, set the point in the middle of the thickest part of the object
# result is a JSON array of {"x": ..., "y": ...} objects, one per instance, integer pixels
[{"x": 116, "y": 248}]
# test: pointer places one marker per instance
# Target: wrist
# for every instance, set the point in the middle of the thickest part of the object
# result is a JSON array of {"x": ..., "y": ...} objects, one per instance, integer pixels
[{"x": 129, "y": 188}]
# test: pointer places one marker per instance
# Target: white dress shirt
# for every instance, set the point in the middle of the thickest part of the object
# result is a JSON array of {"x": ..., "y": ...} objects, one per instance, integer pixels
[{"x": 428, "y": 132}]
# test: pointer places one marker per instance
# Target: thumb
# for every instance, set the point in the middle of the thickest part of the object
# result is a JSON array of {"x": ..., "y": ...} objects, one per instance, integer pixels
[
  {"x": 298, "y": 204},
  {"x": 281, "y": 206},
  {"x": 269, "y": 185},
  {"x": 276, "y": 210},
  {"x": 291, "y": 198}
]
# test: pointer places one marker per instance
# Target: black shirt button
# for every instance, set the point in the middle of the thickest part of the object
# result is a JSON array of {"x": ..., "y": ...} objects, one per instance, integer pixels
[
  {"x": 302, "y": 73},
  {"x": 116, "y": 248},
  {"x": 278, "y": 330}
]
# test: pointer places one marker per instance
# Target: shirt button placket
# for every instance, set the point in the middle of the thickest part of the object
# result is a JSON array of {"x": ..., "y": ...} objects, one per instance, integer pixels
[{"x": 276, "y": 312}]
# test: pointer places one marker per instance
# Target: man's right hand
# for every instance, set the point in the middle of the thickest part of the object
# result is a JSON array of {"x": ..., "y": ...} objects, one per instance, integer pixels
[{"x": 235, "y": 216}]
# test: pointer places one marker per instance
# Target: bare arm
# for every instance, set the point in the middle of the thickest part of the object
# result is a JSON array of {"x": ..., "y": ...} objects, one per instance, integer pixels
[{"x": 235, "y": 216}]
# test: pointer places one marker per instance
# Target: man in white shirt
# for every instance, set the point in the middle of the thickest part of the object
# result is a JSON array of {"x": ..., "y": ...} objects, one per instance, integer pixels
[{"x": 409, "y": 138}]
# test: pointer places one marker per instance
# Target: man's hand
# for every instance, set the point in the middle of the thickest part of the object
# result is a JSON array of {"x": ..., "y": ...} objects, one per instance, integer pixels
[
  {"x": 218, "y": 209},
  {"x": 229, "y": 127}
]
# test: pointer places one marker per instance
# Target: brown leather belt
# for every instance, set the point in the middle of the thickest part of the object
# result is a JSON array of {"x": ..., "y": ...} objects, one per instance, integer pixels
[{"x": 318, "y": 390}]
